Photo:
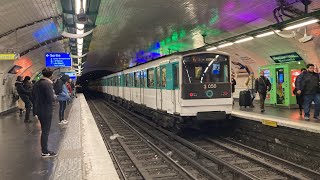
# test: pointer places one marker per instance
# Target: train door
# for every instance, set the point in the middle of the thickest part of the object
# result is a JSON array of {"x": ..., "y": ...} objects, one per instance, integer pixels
[
  {"x": 136, "y": 88},
  {"x": 158, "y": 88},
  {"x": 175, "y": 91},
  {"x": 143, "y": 79}
]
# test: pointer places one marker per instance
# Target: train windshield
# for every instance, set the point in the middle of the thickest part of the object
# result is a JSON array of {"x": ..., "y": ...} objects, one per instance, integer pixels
[{"x": 205, "y": 68}]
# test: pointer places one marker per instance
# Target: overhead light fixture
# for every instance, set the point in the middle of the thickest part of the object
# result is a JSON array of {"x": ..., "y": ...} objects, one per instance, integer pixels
[
  {"x": 266, "y": 34},
  {"x": 80, "y": 41},
  {"x": 225, "y": 45},
  {"x": 302, "y": 24},
  {"x": 244, "y": 40},
  {"x": 80, "y": 26},
  {"x": 212, "y": 48}
]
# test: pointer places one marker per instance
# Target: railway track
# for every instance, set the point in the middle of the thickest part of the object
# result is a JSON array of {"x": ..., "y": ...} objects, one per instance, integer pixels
[
  {"x": 135, "y": 155},
  {"x": 196, "y": 158}
]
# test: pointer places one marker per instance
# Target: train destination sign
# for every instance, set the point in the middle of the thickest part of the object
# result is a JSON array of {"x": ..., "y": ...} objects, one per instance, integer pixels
[
  {"x": 58, "y": 60},
  {"x": 281, "y": 58}
]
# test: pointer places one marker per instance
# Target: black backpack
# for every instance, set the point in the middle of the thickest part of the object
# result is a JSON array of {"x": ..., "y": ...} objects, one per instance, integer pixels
[{"x": 57, "y": 86}]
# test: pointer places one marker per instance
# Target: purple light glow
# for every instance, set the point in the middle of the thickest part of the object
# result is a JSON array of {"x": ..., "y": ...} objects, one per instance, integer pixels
[{"x": 236, "y": 14}]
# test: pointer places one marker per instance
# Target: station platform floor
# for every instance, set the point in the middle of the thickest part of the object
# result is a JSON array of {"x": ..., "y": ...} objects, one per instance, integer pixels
[
  {"x": 277, "y": 116},
  {"x": 81, "y": 151}
]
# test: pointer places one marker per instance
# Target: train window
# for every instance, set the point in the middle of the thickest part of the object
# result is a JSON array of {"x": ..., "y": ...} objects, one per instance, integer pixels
[
  {"x": 127, "y": 84},
  {"x": 150, "y": 76},
  {"x": 131, "y": 80},
  {"x": 119, "y": 80},
  {"x": 115, "y": 81},
  {"x": 163, "y": 76},
  {"x": 137, "y": 79},
  {"x": 143, "y": 78},
  {"x": 176, "y": 76},
  {"x": 158, "y": 77},
  {"x": 205, "y": 68}
]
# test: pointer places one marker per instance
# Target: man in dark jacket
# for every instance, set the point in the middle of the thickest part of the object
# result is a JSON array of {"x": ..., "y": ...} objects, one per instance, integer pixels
[
  {"x": 24, "y": 95},
  {"x": 43, "y": 102},
  {"x": 297, "y": 84},
  {"x": 262, "y": 86},
  {"x": 309, "y": 88}
]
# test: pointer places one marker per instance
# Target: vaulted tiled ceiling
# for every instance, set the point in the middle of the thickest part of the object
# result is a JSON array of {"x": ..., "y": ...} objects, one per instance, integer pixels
[{"x": 126, "y": 30}]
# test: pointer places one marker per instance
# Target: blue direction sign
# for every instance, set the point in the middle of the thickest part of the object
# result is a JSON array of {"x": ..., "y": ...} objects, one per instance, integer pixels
[{"x": 58, "y": 60}]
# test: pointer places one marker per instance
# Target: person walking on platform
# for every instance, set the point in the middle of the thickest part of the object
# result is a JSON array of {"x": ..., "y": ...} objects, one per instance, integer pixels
[
  {"x": 63, "y": 98},
  {"x": 44, "y": 98},
  {"x": 250, "y": 86},
  {"x": 24, "y": 95},
  {"x": 309, "y": 88},
  {"x": 262, "y": 86},
  {"x": 28, "y": 86},
  {"x": 297, "y": 84}
]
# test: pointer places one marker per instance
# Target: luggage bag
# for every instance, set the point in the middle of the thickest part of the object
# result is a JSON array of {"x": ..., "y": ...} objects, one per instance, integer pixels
[{"x": 245, "y": 98}]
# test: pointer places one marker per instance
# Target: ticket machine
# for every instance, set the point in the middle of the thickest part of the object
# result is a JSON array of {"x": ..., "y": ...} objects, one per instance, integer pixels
[{"x": 282, "y": 77}]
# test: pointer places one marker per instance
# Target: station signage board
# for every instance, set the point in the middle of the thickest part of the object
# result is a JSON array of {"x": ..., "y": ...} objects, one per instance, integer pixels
[
  {"x": 281, "y": 58},
  {"x": 58, "y": 59},
  {"x": 9, "y": 56},
  {"x": 72, "y": 75}
]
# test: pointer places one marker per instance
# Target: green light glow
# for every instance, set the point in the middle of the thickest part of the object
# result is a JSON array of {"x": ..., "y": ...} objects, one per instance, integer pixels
[{"x": 214, "y": 16}]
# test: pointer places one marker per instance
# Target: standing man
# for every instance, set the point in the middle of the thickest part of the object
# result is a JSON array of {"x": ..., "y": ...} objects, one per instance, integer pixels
[
  {"x": 250, "y": 86},
  {"x": 310, "y": 90},
  {"x": 262, "y": 86},
  {"x": 297, "y": 84},
  {"x": 44, "y": 98}
]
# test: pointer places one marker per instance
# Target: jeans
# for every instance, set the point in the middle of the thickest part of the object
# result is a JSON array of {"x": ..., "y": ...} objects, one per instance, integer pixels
[
  {"x": 253, "y": 95},
  {"x": 262, "y": 96},
  {"x": 308, "y": 98},
  {"x": 62, "y": 108},
  {"x": 28, "y": 105},
  {"x": 45, "y": 121}
]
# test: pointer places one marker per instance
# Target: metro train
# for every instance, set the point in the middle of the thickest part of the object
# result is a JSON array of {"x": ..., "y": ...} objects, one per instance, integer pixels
[{"x": 176, "y": 91}]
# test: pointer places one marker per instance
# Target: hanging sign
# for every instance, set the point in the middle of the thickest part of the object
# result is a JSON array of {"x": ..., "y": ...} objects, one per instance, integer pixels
[
  {"x": 281, "y": 58},
  {"x": 58, "y": 60}
]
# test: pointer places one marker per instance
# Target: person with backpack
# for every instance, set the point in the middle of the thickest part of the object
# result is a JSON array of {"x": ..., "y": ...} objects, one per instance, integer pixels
[
  {"x": 250, "y": 87},
  {"x": 262, "y": 86},
  {"x": 43, "y": 103},
  {"x": 63, "y": 97},
  {"x": 24, "y": 95}
]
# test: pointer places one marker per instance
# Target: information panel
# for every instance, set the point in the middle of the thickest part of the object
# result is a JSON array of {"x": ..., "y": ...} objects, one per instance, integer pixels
[
  {"x": 281, "y": 58},
  {"x": 58, "y": 60}
]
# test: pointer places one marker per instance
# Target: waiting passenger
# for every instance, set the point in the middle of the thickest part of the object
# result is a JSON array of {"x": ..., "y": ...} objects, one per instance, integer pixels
[
  {"x": 44, "y": 98},
  {"x": 28, "y": 86},
  {"x": 309, "y": 88},
  {"x": 233, "y": 83},
  {"x": 250, "y": 86},
  {"x": 297, "y": 83},
  {"x": 24, "y": 95},
  {"x": 63, "y": 98},
  {"x": 262, "y": 86}
]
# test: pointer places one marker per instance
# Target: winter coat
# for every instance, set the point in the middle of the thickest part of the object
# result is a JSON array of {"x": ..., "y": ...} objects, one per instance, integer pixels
[
  {"x": 28, "y": 86},
  {"x": 310, "y": 83},
  {"x": 43, "y": 97},
  {"x": 64, "y": 95},
  {"x": 262, "y": 85},
  {"x": 233, "y": 84},
  {"x": 23, "y": 93},
  {"x": 250, "y": 82}
]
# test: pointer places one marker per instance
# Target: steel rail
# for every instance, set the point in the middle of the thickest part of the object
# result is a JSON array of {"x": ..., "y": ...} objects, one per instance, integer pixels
[{"x": 236, "y": 170}]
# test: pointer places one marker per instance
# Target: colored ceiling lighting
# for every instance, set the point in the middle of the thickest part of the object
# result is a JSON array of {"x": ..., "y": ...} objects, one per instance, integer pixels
[
  {"x": 302, "y": 24},
  {"x": 225, "y": 45},
  {"x": 212, "y": 48},
  {"x": 266, "y": 34},
  {"x": 78, "y": 5},
  {"x": 244, "y": 40}
]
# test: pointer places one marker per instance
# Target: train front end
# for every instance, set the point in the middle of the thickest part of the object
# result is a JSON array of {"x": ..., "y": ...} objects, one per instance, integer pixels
[{"x": 206, "y": 89}]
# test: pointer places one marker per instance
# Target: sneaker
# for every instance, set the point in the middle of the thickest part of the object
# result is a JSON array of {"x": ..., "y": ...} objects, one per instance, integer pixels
[
  {"x": 317, "y": 117},
  {"x": 64, "y": 121},
  {"x": 60, "y": 122},
  {"x": 49, "y": 154},
  {"x": 262, "y": 110},
  {"x": 306, "y": 118}
]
